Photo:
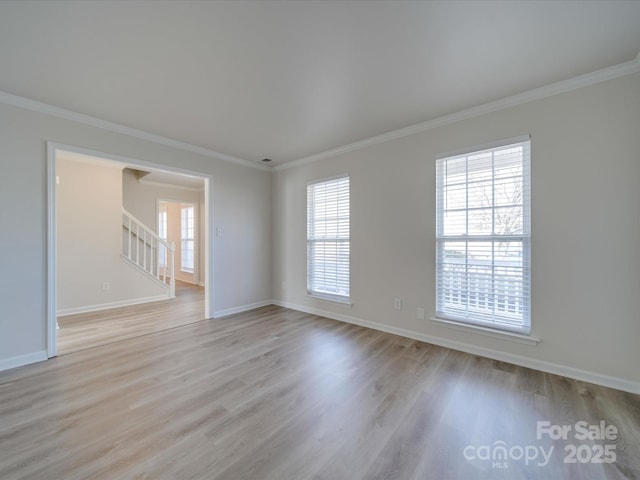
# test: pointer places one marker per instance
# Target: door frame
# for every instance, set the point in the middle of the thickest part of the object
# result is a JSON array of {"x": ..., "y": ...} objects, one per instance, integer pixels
[{"x": 52, "y": 289}]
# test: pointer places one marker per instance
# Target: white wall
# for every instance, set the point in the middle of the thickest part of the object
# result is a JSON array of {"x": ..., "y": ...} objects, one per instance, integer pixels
[
  {"x": 141, "y": 200},
  {"x": 242, "y": 260},
  {"x": 89, "y": 231},
  {"x": 585, "y": 240}
]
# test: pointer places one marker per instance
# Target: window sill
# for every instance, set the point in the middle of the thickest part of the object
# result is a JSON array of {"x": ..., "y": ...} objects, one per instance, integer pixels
[
  {"x": 488, "y": 332},
  {"x": 346, "y": 301}
]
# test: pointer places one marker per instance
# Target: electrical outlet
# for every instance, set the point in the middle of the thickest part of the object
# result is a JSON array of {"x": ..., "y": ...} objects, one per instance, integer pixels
[
  {"x": 105, "y": 286},
  {"x": 420, "y": 313},
  {"x": 397, "y": 304}
]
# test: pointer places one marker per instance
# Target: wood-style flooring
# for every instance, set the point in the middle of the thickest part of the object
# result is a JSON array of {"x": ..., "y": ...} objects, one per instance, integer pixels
[
  {"x": 278, "y": 394},
  {"x": 88, "y": 330}
]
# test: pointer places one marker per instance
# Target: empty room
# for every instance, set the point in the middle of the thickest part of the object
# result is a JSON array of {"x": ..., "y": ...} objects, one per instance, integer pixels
[{"x": 296, "y": 240}]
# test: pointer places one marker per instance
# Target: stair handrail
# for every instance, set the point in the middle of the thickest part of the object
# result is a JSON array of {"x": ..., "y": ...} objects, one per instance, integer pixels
[{"x": 170, "y": 248}]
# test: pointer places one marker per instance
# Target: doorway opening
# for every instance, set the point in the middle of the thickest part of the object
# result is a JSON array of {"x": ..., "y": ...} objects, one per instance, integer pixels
[{"x": 86, "y": 281}]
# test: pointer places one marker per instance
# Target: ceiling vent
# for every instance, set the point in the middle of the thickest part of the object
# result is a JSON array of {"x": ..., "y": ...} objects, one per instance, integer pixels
[{"x": 265, "y": 161}]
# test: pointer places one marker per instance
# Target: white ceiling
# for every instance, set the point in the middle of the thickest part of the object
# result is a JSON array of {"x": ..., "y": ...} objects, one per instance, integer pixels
[{"x": 287, "y": 80}]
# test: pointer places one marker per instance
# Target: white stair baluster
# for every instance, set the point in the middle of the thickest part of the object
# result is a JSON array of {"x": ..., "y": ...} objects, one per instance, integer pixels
[{"x": 150, "y": 240}]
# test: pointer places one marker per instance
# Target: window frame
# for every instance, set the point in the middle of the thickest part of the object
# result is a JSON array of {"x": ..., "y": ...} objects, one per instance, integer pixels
[
  {"x": 162, "y": 233},
  {"x": 493, "y": 322},
  {"x": 313, "y": 239},
  {"x": 186, "y": 238}
]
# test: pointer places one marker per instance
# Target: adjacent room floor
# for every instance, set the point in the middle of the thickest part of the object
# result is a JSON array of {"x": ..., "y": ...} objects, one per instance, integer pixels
[
  {"x": 279, "y": 394},
  {"x": 87, "y": 330}
]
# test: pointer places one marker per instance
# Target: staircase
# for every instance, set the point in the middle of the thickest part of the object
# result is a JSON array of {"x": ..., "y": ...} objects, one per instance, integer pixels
[{"x": 146, "y": 251}]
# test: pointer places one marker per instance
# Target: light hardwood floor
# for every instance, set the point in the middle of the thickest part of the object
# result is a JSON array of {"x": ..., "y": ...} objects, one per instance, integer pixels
[
  {"x": 88, "y": 330},
  {"x": 278, "y": 394}
]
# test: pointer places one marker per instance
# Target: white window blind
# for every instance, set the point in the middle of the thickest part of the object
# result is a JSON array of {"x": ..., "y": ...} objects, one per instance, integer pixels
[
  {"x": 483, "y": 237},
  {"x": 328, "y": 239}
]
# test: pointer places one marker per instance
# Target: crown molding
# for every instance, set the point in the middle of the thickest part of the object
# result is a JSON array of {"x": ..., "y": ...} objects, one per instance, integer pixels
[
  {"x": 599, "y": 76},
  {"x": 51, "y": 110}
]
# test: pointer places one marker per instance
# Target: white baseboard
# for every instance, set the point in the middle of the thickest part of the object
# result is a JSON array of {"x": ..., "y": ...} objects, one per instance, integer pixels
[
  {"x": 242, "y": 308},
  {"x": 106, "y": 306},
  {"x": 22, "y": 360},
  {"x": 549, "y": 367}
]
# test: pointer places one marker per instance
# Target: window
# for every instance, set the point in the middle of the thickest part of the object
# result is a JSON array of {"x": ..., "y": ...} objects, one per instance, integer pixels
[
  {"x": 162, "y": 233},
  {"x": 328, "y": 239},
  {"x": 187, "y": 239},
  {"x": 483, "y": 237}
]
